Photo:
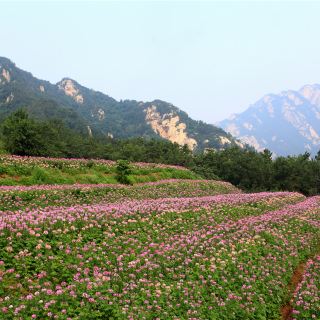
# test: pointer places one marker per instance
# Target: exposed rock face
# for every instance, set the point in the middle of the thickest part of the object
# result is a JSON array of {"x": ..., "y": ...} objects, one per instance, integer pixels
[
  {"x": 70, "y": 89},
  {"x": 224, "y": 140},
  {"x": 252, "y": 141},
  {"x": 10, "y": 98},
  {"x": 311, "y": 93},
  {"x": 6, "y": 75},
  {"x": 89, "y": 131},
  {"x": 239, "y": 144},
  {"x": 168, "y": 126},
  {"x": 286, "y": 123},
  {"x": 41, "y": 88},
  {"x": 101, "y": 114}
]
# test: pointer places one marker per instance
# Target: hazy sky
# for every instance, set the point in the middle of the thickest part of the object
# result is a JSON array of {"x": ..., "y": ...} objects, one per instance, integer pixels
[{"x": 210, "y": 59}]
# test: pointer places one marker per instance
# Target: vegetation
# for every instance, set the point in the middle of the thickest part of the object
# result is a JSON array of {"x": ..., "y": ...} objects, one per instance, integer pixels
[
  {"x": 43, "y": 171},
  {"x": 121, "y": 238},
  {"x": 215, "y": 257},
  {"x": 160, "y": 250},
  {"x": 257, "y": 171},
  {"x": 101, "y": 113},
  {"x": 23, "y": 135},
  {"x": 123, "y": 171},
  {"x": 245, "y": 168},
  {"x": 22, "y": 197}
]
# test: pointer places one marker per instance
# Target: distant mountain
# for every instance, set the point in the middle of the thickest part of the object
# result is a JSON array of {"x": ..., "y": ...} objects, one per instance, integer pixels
[
  {"x": 287, "y": 123},
  {"x": 96, "y": 113}
]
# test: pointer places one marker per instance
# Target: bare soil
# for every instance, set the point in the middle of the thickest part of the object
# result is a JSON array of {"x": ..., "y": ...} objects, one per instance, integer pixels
[{"x": 286, "y": 310}]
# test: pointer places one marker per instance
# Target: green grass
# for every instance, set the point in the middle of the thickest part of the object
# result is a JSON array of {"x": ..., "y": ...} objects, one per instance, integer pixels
[{"x": 19, "y": 174}]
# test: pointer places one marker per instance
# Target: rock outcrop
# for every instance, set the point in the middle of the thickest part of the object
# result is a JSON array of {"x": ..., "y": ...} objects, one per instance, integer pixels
[
  {"x": 6, "y": 77},
  {"x": 168, "y": 126},
  {"x": 70, "y": 89}
]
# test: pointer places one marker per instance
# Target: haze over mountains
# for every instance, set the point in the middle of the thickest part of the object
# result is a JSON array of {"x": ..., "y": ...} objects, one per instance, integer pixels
[
  {"x": 286, "y": 123},
  {"x": 95, "y": 113}
]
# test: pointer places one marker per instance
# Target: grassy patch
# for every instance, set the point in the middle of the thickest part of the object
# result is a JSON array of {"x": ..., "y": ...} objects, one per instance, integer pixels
[{"x": 17, "y": 172}]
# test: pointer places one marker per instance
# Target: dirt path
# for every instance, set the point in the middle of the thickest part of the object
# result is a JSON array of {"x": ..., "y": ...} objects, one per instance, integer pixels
[{"x": 286, "y": 310}]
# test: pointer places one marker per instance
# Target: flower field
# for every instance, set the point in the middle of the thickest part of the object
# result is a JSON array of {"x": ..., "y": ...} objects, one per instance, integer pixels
[
  {"x": 306, "y": 300},
  {"x": 169, "y": 249},
  {"x": 12, "y": 160},
  {"x": 21, "y": 197}
]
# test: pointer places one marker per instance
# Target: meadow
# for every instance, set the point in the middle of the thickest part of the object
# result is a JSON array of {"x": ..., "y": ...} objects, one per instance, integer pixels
[
  {"x": 180, "y": 248},
  {"x": 16, "y": 170}
]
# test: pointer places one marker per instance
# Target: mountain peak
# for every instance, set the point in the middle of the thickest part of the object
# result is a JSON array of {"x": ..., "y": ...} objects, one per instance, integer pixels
[
  {"x": 285, "y": 123},
  {"x": 5, "y": 62},
  {"x": 312, "y": 93},
  {"x": 68, "y": 79}
]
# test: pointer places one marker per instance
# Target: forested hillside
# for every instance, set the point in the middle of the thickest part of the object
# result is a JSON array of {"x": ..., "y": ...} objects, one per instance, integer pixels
[{"x": 97, "y": 114}]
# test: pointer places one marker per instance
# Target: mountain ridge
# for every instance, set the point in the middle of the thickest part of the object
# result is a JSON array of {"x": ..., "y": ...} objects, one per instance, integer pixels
[
  {"x": 285, "y": 123},
  {"x": 94, "y": 112}
]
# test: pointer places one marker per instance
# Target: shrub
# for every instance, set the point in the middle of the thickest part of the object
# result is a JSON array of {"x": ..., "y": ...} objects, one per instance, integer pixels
[
  {"x": 40, "y": 176},
  {"x": 123, "y": 170}
]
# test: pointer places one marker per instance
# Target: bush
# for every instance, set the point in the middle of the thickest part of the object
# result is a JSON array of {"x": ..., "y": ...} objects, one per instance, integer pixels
[
  {"x": 40, "y": 176},
  {"x": 123, "y": 170}
]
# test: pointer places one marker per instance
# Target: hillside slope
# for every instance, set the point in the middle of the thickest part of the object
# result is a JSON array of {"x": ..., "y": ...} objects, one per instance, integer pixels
[{"x": 95, "y": 113}]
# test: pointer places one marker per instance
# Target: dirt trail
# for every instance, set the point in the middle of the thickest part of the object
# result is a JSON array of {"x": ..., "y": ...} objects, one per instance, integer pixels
[{"x": 286, "y": 310}]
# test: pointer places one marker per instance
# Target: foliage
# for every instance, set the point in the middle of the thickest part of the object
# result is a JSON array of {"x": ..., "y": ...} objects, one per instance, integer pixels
[
  {"x": 22, "y": 135},
  {"x": 217, "y": 257},
  {"x": 25, "y": 136},
  {"x": 123, "y": 170},
  {"x": 20, "y": 197},
  {"x": 245, "y": 168},
  {"x": 306, "y": 297},
  {"x": 98, "y": 113},
  {"x": 47, "y": 171},
  {"x": 257, "y": 171}
]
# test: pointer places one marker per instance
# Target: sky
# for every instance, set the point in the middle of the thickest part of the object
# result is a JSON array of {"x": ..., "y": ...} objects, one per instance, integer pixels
[{"x": 210, "y": 59}]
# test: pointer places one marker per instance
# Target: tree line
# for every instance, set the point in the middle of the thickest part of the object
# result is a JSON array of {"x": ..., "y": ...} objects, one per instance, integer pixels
[{"x": 248, "y": 169}]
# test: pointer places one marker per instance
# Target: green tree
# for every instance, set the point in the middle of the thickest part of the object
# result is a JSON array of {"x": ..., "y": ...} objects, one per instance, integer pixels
[{"x": 22, "y": 135}]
